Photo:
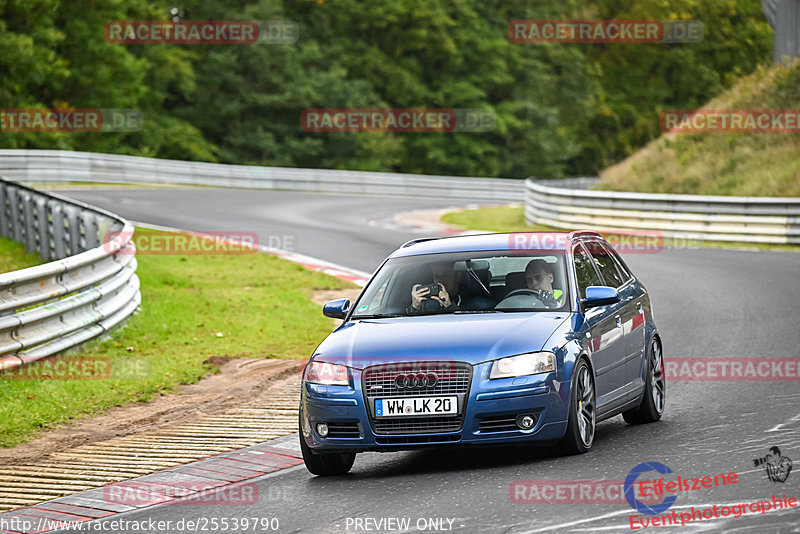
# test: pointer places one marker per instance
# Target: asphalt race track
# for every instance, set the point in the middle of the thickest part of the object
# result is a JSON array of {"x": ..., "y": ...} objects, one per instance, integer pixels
[{"x": 707, "y": 303}]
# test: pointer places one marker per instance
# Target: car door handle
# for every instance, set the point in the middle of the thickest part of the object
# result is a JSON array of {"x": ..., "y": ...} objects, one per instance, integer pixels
[
  {"x": 639, "y": 307},
  {"x": 619, "y": 320}
]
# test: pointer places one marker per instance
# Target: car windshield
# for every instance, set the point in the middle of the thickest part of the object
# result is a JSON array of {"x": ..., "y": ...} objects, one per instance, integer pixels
[{"x": 466, "y": 282}]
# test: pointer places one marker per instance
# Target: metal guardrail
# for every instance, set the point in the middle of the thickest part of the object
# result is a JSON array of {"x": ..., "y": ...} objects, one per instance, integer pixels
[
  {"x": 89, "y": 286},
  {"x": 559, "y": 203},
  {"x": 62, "y": 166},
  {"x": 570, "y": 204}
]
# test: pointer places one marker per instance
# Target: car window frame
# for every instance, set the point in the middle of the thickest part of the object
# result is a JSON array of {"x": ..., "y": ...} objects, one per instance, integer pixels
[
  {"x": 605, "y": 250},
  {"x": 582, "y": 295},
  {"x": 622, "y": 267}
]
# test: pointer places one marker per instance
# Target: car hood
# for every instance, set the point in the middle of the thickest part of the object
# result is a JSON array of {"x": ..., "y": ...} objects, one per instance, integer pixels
[{"x": 468, "y": 338}]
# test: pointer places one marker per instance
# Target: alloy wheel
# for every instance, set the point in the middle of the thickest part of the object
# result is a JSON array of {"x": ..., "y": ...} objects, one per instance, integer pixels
[
  {"x": 658, "y": 389},
  {"x": 585, "y": 411}
]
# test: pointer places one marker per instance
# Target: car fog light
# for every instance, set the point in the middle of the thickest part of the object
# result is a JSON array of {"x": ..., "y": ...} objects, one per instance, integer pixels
[
  {"x": 322, "y": 430},
  {"x": 526, "y": 421}
]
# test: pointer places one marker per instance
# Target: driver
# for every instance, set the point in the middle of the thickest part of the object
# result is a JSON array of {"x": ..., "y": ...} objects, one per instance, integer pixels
[
  {"x": 539, "y": 278},
  {"x": 447, "y": 280}
]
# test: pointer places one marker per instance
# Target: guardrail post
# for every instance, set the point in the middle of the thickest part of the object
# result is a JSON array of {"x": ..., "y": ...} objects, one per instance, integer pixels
[
  {"x": 14, "y": 214},
  {"x": 5, "y": 227},
  {"x": 90, "y": 230},
  {"x": 41, "y": 228},
  {"x": 29, "y": 228},
  {"x": 59, "y": 231},
  {"x": 73, "y": 230}
]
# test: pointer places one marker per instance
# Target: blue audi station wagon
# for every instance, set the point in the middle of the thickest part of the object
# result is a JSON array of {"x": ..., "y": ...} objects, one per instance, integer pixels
[{"x": 483, "y": 339}]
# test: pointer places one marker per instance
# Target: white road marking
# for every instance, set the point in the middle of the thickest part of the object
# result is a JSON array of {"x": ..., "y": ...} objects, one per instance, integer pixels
[
  {"x": 777, "y": 428},
  {"x": 334, "y": 269}
]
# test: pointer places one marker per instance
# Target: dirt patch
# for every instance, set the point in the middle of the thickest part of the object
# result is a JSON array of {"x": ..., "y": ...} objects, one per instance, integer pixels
[
  {"x": 218, "y": 361},
  {"x": 427, "y": 218},
  {"x": 321, "y": 296},
  {"x": 238, "y": 381}
]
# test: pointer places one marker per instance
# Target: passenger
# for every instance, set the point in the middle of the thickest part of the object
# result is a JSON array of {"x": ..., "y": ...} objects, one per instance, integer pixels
[{"x": 448, "y": 297}]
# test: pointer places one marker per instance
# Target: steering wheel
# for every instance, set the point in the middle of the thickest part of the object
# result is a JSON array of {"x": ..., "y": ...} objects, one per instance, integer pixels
[
  {"x": 517, "y": 292},
  {"x": 524, "y": 291}
]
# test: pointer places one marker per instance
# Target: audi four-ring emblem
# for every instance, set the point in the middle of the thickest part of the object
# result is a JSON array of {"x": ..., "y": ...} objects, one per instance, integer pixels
[{"x": 416, "y": 380}]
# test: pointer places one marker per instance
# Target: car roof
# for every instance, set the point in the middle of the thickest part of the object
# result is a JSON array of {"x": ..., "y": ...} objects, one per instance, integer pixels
[{"x": 491, "y": 241}]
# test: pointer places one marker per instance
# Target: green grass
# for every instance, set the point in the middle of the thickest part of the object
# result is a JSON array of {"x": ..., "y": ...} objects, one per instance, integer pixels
[
  {"x": 512, "y": 219},
  {"x": 193, "y": 307},
  {"x": 743, "y": 164},
  {"x": 497, "y": 219},
  {"x": 13, "y": 256}
]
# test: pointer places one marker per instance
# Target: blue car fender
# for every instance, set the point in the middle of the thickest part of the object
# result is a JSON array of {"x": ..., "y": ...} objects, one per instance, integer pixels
[{"x": 566, "y": 358}]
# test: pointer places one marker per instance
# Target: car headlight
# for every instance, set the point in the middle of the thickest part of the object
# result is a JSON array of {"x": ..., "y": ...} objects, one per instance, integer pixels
[
  {"x": 524, "y": 364},
  {"x": 330, "y": 374}
]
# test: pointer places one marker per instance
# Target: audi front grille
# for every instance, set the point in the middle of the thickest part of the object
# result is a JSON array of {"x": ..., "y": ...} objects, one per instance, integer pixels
[{"x": 419, "y": 379}]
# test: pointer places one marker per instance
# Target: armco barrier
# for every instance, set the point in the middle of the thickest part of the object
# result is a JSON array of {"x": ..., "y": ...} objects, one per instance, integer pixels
[
  {"x": 88, "y": 287},
  {"x": 560, "y": 203},
  {"x": 62, "y": 166},
  {"x": 570, "y": 204}
]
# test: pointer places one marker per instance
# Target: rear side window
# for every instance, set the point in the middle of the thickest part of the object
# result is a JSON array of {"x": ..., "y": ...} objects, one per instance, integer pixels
[
  {"x": 623, "y": 270},
  {"x": 584, "y": 270},
  {"x": 606, "y": 264}
]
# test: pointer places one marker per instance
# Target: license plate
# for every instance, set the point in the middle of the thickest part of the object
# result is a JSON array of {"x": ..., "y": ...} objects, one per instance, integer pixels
[{"x": 409, "y": 406}]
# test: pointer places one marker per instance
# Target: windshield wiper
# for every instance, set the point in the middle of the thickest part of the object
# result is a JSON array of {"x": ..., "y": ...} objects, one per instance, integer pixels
[{"x": 479, "y": 311}]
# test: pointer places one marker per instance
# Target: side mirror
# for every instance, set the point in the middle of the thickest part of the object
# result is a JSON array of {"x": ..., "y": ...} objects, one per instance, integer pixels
[
  {"x": 600, "y": 296},
  {"x": 336, "y": 309}
]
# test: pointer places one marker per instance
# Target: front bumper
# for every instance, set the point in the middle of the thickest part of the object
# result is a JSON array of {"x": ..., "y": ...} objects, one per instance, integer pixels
[{"x": 491, "y": 406}]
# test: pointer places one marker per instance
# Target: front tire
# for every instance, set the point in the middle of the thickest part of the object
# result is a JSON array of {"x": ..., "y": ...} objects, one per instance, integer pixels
[
  {"x": 655, "y": 391},
  {"x": 581, "y": 422},
  {"x": 326, "y": 464}
]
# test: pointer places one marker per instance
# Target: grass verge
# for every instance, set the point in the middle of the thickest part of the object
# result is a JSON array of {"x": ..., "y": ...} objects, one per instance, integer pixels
[
  {"x": 512, "y": 219},
  {"x": 193, "y": 307},
  {"x": 495, "y": 219},
  {"x": 742, "y": 164},
  {"x": 13, "y": 256}
]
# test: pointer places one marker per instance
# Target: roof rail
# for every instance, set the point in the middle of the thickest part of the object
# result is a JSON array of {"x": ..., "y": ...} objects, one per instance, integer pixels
[
  {"x": 586, "y": 233},
  {"x": 418, "y": 240}
]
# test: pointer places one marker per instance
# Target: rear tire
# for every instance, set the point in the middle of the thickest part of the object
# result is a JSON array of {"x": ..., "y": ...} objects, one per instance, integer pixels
[
  {"x": 328, "y": 463},
  {"x": 655, "y": 391},
  {"x": 581, "y": 422}
]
